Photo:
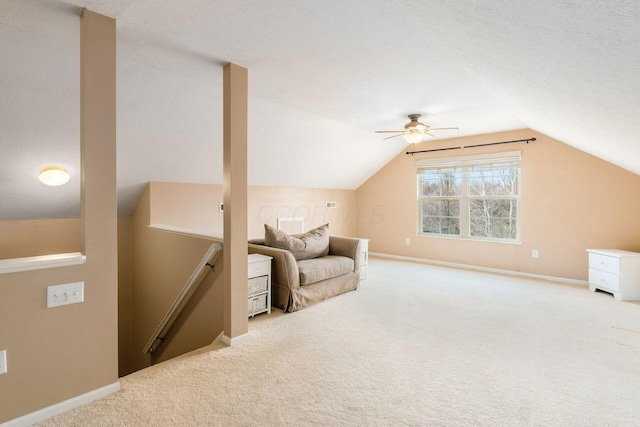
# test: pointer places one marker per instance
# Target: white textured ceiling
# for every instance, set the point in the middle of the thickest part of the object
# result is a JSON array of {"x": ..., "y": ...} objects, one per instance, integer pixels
[
  {"x": 568, "y": 69},
  {"x": 323, "y": 76}
]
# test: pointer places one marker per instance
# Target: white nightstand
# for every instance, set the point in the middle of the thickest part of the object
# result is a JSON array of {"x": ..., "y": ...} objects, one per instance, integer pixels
[
  {"x": 259, "y": 284},
  {"x": 615, "y": 271},
  {"x": 364, "y": 258}
]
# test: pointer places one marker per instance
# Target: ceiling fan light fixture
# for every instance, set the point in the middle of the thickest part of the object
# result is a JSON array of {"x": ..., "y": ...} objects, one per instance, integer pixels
[
  {"x": 413, "y": 136},
  {"x": 54, "y": 176},
  {"x": 414, "y": 132}
]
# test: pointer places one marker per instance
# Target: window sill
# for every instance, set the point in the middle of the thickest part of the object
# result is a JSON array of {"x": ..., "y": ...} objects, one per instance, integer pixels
[
  {"x": 466, "y": 239},
  {"x": 15, "y": 265}
]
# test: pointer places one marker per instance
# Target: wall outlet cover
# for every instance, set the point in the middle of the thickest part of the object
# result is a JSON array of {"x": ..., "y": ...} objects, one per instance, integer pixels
[{"x": 407, "y": 241}]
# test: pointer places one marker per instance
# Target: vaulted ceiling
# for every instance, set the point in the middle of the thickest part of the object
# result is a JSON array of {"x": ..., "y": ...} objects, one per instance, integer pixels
[{"x": 323, "y": 76}]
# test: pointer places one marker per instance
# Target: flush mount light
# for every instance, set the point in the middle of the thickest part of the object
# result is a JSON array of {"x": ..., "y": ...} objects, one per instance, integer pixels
[{"x": 54, "y": 176}]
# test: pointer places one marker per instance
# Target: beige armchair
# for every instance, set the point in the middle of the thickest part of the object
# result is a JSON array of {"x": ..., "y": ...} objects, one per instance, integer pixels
[{"x": 299, "y": 284}]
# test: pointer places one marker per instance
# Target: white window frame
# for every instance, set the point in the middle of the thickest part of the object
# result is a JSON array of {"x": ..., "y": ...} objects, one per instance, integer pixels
[{"x": 465, "y": 162}]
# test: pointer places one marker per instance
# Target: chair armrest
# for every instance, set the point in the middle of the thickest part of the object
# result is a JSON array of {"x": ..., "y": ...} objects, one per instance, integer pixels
[
  {"x": 346, "y": 246},
  {"x": 284, "y": 271}
]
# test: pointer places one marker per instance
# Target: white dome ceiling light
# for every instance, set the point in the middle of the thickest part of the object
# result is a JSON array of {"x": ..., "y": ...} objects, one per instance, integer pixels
[{"x": 54, "y": 176}]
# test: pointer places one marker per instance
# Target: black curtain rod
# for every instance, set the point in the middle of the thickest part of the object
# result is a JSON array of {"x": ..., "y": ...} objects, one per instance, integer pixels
[{"x": 472, "y": 146}]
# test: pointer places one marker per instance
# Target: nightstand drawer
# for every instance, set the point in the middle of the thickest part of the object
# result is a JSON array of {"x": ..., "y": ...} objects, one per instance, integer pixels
[
  {"x": 260, "y": 268},
  {"x": 258, "y": 285},
  {"x": 604, "y": 263},
  {"x": 603, "y": 280},
  {"x": 257, "y": 304}
]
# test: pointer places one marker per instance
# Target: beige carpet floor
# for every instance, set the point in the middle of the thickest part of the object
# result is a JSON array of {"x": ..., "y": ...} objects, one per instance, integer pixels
[{"x": 416, "y": 345}]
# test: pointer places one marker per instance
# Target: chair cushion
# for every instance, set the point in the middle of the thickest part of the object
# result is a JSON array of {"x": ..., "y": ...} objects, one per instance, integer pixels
[
  {"x": 312, "y": 244},
  {"x": 326, "y": 267}
]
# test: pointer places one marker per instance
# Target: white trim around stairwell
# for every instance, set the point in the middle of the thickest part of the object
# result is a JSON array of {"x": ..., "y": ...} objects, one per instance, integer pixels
[
  {"x": 232, "y": 341},
  {"x": 15, "y": 265},
  {"x": 485, "y": 269},
  {"x": 59, "y": 408}
]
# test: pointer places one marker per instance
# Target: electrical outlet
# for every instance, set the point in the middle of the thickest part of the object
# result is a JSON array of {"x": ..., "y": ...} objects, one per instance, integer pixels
[
  {"x": 3, "y": 362},
  {"x": 534, "y": 253},
  {"x": 69, "y": 293},
  {"x": 220, "y": 207},
  {"x": 407, "y": 241}
]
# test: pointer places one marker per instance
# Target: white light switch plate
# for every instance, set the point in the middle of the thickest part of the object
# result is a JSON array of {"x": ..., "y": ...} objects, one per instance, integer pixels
[
  {"x": 69, "y": 293},
  {"x": 3, "y": 362}
]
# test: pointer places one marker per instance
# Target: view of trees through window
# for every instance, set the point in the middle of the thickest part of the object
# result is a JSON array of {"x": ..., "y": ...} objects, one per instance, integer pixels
[
  {"x": 441, "y": 196},
  {"x": 472, "y": 201}
]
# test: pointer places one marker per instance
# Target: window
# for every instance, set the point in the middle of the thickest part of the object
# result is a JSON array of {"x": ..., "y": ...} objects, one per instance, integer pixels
[{"x": 475, "y": 197}]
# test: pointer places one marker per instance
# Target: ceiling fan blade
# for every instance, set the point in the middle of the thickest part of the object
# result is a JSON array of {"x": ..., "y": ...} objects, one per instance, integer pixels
[
  {"x": 389, "y": 131},
  {"x": 394, "y": 136},
  {"x": 430, "y": 129}
]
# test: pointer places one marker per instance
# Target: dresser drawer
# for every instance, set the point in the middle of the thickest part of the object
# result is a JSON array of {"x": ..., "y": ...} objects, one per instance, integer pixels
[
  {"x": 604, "y": 263},
  {"x": 259, "y": 269},
  {"x": 603, "y": 280}
]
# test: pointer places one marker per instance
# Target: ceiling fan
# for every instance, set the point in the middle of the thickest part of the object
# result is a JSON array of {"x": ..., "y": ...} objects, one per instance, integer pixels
[{"x": 414, "y": 131}]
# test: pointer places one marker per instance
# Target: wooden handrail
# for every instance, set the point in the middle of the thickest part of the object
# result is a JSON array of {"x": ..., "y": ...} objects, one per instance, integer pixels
[{"x": 183, "y": 298}]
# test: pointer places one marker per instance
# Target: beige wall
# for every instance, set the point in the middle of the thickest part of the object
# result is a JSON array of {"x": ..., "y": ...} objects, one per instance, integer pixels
[
  {"x": 162, "y": 263},
  {"x": 571, "y": 201},
  {"x": 58, "y": 353},
  {"x": 196, "y": 206},
  {"x": 56, "y": 236},
  {"x": 35, "y": 237},
  {"x": 186, "y": 205}
]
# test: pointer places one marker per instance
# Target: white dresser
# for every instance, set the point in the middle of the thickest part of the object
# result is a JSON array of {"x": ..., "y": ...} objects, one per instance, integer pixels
[
  {"x": 364, "y": 258},
  {"x": 259, "y": 284},
  {"x": 615, "y": 271}
]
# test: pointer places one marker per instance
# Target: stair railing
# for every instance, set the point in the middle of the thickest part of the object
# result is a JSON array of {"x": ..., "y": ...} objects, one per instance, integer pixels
[{"x": 183, "y": 298}]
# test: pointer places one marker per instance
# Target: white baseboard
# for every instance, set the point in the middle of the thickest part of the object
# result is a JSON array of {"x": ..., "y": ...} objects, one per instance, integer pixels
[
  {"x": 233, "y": 341},
  {"x": 59, "y": 408},
  {"x": 485, "y": 269}
]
